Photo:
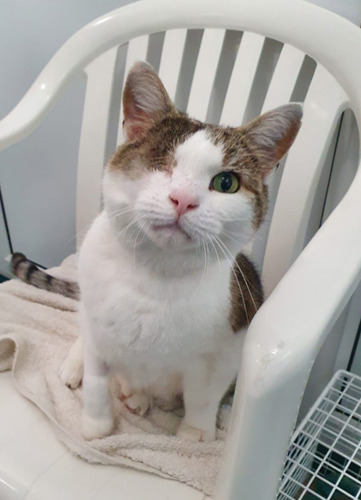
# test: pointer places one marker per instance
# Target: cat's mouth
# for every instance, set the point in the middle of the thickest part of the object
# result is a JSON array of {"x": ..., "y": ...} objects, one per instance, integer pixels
[{"x": 171, "y": 228}]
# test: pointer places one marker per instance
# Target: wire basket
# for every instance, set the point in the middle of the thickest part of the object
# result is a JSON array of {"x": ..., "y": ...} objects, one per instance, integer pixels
[{"x": 324, "y": 459}]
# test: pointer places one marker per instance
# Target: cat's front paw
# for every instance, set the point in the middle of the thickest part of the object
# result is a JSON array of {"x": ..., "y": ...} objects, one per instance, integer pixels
[
  {"x": 137, "y": 403},
  {"x": 93, "y": 428},
  {"x": 71, "y": 373},
  {"x": 187, "y": 431}
]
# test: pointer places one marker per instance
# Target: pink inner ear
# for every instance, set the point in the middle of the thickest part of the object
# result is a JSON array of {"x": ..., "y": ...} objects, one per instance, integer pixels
[
  {"x": 284, "y": 144},
  {"x": 273, "y": 133},
  {"x": 135, "y": 120},
  {"x": 145, "y": 100},
  {"x": 134, "y": 126}
]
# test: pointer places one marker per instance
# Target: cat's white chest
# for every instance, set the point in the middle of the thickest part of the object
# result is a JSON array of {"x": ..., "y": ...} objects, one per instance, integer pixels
[
  {"x": 187, "y": 324},
  {"x": 135, "y": 314}
]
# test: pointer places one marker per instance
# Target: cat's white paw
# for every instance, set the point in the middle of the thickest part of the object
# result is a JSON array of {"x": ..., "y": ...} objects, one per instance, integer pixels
[
  {"x": 71, "y": 372},
  {"x": 186, "y": 431},
  {"x": 93, "y": 428},
  {"x": 138, "y": 403}
]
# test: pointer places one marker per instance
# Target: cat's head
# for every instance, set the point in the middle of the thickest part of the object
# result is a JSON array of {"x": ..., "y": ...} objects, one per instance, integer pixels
[{"x": 178, "y": 183}]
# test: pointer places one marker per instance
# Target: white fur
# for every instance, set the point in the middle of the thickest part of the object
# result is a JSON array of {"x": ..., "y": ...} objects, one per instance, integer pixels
[{"x": 156, "y": 302}]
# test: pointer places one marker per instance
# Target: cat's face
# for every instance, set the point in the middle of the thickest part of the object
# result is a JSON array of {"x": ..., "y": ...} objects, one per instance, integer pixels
[{"x": 178, "y": 183}]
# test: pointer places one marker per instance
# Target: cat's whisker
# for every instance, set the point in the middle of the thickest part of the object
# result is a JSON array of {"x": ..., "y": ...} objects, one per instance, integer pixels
[
  {"x": 242, "y": 274},
  {"x": 135, "y": 241},
  {"x": 247, "y": 282},
  {"x": 134, "y": 221},
  {"x": 235, "y": 276},
  {"x": 231, "y": 235},
  {"x": 232, "y": 219},
  {"x": 125, "y": 229},
  {"x": 215, "y": 251},
  {"x": 205, "y": 261},
  {"x": 116, "y": 214},
  {"x": 145, "y": 229}
]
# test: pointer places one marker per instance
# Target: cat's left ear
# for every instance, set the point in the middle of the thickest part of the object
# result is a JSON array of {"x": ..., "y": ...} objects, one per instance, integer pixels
[
  {"x": 145, "y": 101},
  {"x": 272, "y": 134}
]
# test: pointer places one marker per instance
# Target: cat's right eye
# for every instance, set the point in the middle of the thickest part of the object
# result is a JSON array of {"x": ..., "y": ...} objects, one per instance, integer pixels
[{"x": 225, "y": 182}]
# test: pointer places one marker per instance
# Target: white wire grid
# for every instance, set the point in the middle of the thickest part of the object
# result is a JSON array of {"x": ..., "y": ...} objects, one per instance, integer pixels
[{"x": 324, "y": 459}]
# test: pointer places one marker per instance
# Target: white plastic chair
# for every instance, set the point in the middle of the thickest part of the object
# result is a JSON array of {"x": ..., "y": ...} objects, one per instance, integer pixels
[{"x": 252, "y": 55}]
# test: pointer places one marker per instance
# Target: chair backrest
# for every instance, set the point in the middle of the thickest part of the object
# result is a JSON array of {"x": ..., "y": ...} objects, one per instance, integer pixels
[
  {"x": 221, "y": 63},
  {"x": 222, "y": 76}
]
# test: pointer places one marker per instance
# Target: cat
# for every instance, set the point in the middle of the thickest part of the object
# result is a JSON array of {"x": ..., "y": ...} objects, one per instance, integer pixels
[{"x": 165, "y": 294}]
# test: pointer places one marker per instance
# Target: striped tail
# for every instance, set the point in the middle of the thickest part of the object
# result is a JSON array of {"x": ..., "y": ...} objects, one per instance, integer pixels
[{"x": 28, "y": 272}]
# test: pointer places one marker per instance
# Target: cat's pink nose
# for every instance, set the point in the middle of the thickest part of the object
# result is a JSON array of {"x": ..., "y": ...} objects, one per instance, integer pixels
[{"x": 183, "y": 201}]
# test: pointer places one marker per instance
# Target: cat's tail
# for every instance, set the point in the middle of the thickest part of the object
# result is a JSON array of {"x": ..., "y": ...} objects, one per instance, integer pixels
[{"x": 28, "y": 272}]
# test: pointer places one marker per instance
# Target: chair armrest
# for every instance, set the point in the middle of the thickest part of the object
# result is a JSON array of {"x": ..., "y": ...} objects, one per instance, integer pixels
[
  {"x": 295, "y": 320},
  {"x": 38, "y": 100},
  {"x": 280, "y": 348},
  {"x": 24, "y": 118},
  {"x": 71, "y": 59}
]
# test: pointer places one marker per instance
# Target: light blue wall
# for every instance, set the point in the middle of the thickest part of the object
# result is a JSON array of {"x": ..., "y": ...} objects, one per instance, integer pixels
[
  {"x": 350, "y": 9},
  {"x": 38, "y": 176}
]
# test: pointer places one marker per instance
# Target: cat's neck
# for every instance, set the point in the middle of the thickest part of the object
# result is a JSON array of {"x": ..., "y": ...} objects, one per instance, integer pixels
[{"x": 168, "y": 264}]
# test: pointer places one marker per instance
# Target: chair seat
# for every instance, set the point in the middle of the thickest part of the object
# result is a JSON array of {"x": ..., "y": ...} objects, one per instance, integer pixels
[{"x": 34, "y": 465}]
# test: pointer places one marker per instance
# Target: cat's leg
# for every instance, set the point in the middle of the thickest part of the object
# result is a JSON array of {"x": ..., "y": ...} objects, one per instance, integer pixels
[
  {"x": 136, "y": 401},
  {"x": 169, "y": 404},
  {"x": 71, "y": 370},
  {"x": 203, "y": 388},
  {"x": 97, "y": 418}
]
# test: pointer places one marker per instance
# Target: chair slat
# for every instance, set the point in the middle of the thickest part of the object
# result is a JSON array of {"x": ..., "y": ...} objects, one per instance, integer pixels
[
  {"x": 93, "y": 139},
  {"x": 189, "y": 60},
  {"x": 281, "y": 88},
  {"x": 137, "y": 51},
  {"x": 304, "y": 79},
  {"x": 284, "y": 78},
  {"x": 241, "y": 80},
  {"x": 204, "y": 73},
  {"x": 301, "y": 177},
  {"x": 154, "y": 51},
  {"x": 267, "y": 63},
  {"x": 171, "y": 59},
  {"x": 225, "y": 67}
]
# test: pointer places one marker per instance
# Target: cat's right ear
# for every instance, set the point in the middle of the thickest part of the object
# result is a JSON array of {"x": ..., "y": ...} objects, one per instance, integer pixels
[{"x": 145, "y": 101}]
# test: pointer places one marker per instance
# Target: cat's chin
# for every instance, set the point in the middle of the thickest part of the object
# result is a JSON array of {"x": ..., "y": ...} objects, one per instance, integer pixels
[
  {"x": 172, "y": 229},
  {"x": 170, "y": 235}
]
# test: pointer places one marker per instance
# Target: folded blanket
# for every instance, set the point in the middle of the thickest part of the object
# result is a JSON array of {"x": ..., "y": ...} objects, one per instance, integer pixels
[{"x": 37, "y": 329}]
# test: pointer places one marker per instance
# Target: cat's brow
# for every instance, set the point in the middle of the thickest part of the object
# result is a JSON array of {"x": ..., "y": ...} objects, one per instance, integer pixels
[{"x": 155, "y": 150}]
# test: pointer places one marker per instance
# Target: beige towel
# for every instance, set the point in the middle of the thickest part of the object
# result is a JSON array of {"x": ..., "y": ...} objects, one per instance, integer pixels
[{"x": 36, "y": 330}]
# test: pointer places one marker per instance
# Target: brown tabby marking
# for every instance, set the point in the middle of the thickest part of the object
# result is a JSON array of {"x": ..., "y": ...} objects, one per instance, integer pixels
[
  {"x": 155, "y": 149},
  {"x": 246, "y": 293}
]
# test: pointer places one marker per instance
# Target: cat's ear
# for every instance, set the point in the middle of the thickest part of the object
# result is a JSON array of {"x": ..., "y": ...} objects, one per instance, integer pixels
[
  {"x": 145, "y": 101},
  {"x": 272, "y": 134}
]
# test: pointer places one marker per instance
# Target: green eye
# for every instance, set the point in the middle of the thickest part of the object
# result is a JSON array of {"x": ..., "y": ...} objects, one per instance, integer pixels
[{"x": 225, "y": 182}]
